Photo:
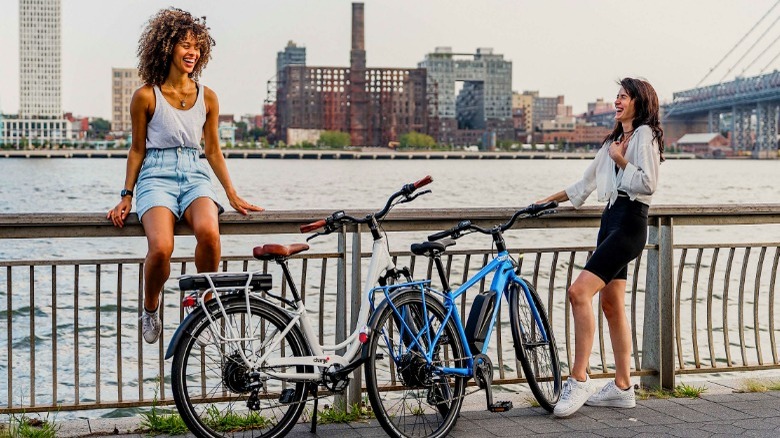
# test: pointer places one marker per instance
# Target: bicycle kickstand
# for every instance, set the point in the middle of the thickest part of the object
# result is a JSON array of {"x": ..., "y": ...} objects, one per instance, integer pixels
[{"x": 313, "y": 389}]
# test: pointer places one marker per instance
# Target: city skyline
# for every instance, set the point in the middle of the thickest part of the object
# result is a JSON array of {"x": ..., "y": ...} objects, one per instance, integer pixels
[{"x": 579, "y": 55}]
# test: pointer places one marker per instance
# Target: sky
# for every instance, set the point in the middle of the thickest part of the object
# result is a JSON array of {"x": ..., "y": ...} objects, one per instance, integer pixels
[{"x": 575, "y": 48}]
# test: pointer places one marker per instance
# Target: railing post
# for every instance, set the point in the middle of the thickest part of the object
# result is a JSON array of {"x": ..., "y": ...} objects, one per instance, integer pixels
[
  {"x": 658, "y": 331},
  {"x": 354, "y": 393},
  {"x": 341, "y": 302}
]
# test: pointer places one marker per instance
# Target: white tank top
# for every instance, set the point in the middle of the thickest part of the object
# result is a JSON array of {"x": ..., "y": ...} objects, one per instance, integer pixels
[{"x": 173, "y": 128}]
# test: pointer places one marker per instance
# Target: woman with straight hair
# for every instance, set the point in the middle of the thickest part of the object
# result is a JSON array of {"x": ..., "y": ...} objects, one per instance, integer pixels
[{"x": 624, "y": 174}]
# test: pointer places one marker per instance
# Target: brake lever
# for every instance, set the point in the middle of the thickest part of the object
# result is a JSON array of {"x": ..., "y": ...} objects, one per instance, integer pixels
[
  {"x": 542, "y": 213},
  {"x": 318, "y": 234},
  {"x": 410, "y": 198}
]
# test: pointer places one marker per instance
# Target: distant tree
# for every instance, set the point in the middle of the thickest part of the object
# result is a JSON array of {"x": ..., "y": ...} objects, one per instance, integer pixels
[
  {"x": 241, "y": 131},
  {"x": 416, "y": 140},
  {"x": 98, "y": 128},
  {"x": 334, "y": 139},
  {"x": 257, "y": 133}
]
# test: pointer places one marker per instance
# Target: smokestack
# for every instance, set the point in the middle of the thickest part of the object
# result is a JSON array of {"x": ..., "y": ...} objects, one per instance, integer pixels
[
  {"x": 358, "y": 108},
  {"x": 358, "y": 42}
]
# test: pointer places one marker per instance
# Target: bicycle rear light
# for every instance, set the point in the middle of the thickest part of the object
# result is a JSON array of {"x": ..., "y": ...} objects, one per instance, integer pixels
[
  {"x": 189, "y": 301},
  {"x": 364, "y": 333}
]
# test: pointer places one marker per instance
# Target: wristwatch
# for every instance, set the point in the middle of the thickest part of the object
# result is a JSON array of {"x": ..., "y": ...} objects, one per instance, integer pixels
[{"x": 126, "y": 192}]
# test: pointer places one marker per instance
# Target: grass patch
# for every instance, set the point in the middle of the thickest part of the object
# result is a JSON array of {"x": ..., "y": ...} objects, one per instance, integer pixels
[
  {"x": 232, "y": 422},
  {"x": 753, "y": 385},
  {"x": 26, "y": 427},
  {"x": 680, "y": 391},
  {"x": 163, "y": 422},
  {"x": 654, "y": 392},
  {"x": 532, "y": 401},
  {"x": 332, "y": 414}
]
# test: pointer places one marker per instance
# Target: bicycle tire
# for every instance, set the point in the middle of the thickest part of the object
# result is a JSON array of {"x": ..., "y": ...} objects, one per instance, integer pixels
[
  {"x": 428, "y": 405},
  {"x": 538, "y": 358},
  {"x": 209, "y": 378}
]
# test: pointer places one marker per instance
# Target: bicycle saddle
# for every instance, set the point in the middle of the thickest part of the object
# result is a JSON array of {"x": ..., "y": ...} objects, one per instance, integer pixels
[
  {"x": 272, "y": 251},
  {"x": 432, "y": 248}
]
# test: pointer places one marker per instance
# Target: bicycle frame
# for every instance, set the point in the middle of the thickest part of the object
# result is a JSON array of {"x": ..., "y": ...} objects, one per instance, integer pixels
[
  {"x": 505, "y": 275},
  {"x": 381, "y": 262}
]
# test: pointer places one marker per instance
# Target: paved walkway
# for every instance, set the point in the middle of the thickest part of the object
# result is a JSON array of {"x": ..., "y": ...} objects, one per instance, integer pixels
[{"x": 720, "y": 412}]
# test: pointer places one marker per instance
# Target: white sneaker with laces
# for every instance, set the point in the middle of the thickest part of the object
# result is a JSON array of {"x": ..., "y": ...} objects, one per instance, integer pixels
[
  {"x": 573, "y": 396},
  {"x": 151, "y": 326},
  {"x": 613, "y": 397}
]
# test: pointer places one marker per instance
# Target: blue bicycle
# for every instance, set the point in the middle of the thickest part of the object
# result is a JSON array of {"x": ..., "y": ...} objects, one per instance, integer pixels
[{"x": 419, "y": 355}]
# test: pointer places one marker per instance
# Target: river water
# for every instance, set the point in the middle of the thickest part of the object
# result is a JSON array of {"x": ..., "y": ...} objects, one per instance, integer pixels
[{"x": 92, "y": 186}]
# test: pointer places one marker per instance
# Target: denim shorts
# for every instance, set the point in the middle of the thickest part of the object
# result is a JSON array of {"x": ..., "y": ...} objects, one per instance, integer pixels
[{"x": 173, "y": 178}]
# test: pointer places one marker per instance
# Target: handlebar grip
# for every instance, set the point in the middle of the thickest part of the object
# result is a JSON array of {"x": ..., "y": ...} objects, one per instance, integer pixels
[
  {"x": 536, "y": 208},
  {"x": 440, "y": 235},
  {"x": 423, "y": 182},
  {"x": 312, "y": 226},
  {"x": 462, "y": 225}
]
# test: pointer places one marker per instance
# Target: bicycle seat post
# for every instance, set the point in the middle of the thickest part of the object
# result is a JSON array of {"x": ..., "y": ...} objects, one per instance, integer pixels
[
  {"x": 282, "y": 261},
  {"x": 445, "y": 284}
]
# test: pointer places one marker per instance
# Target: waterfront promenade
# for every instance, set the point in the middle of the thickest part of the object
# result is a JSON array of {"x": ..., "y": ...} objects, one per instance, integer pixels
[{"x": 722, "y": 411}]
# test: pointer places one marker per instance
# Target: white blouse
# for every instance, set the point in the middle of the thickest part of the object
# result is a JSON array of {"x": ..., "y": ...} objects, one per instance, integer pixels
[{"x": 639, "y": 179}]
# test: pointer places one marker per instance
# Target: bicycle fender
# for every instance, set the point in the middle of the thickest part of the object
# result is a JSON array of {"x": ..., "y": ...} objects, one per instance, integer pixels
[{"x": 184, "y": 326}]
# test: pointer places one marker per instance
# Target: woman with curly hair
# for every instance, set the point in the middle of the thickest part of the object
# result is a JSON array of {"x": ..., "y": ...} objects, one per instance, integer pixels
[
  {"x": 625, "y": 176},
  {"x": 170, "y": 115}
]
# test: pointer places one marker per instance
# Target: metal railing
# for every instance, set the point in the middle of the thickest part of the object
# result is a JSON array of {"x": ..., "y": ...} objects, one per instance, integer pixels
[{"x": 73, "y": 339}]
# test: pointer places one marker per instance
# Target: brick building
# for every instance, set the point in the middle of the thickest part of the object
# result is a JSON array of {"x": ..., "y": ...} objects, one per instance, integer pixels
[{"x": 375, "y": 105}]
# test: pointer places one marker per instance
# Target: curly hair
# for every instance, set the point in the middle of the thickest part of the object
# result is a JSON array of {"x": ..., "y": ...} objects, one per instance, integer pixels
[
  {"x": 647, "y": 109},
  {"x": 163, "y": 31}
]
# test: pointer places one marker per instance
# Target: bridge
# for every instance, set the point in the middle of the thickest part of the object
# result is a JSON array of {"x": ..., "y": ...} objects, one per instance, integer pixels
[{"x": 746, "y": 107}]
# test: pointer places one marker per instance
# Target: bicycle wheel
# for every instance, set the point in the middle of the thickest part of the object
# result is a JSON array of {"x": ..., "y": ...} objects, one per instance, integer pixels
[
  {"x": 539, "y": 357},
  {"x": 216, "y": 394},
  {"x": 408, "y": 398}
]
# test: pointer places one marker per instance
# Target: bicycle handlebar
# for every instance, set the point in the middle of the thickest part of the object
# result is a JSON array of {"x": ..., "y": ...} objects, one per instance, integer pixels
[
  {"x": 337, "y": 219},
  {"x": 456, "y": 230},
  {"x": 533, "y": 210}
]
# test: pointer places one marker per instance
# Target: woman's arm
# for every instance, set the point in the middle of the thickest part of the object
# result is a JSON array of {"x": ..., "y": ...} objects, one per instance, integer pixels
[
  {"x": 578, "y": 192},
  {"x": 141, "y": 111},
  {"x": 558, "y": 197},
  {"x": 214, "y": 154}
]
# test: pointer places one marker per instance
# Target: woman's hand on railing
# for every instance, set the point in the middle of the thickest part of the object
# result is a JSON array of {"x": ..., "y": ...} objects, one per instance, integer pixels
[{"x": 118, "y": 214}]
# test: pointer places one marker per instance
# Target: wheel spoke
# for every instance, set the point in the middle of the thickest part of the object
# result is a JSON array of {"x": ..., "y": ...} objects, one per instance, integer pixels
[
  {"x": 406, "y": 394},
  {"x": 217, "y": 394}
]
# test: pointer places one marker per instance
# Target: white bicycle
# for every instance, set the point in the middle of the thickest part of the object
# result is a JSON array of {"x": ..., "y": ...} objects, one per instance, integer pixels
[{"x": 245, "y": 359}]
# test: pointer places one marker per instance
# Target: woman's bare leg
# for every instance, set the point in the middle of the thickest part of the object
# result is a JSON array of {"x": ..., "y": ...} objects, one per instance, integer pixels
[
  {"x": 581, "y": 294},
  {"x": 158, "y": 225},
  {"x": 202, "y": 217},
  {"x": 613, "y": 303}
]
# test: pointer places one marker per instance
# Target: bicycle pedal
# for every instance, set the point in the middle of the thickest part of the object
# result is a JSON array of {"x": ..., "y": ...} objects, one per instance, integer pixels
[
  {"x": 287, "y": 397},
  {"x": 500, "y": 406}
]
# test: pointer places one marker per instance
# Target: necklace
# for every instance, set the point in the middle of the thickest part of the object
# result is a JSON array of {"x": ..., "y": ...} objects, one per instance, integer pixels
[{"x": 182, "y": 100}]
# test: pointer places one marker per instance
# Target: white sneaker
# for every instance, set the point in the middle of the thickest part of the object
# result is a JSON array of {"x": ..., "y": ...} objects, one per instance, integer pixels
[
  {"x": 613, "y": 397},
  {"x": 151, "y": 326},
  {"x": 573, "y": 396}
]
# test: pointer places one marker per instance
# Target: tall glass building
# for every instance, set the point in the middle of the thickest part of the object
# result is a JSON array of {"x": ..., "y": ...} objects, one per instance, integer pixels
[
  {"x": 40, "y": 120},
  {"x": 40, "y": 59}
]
